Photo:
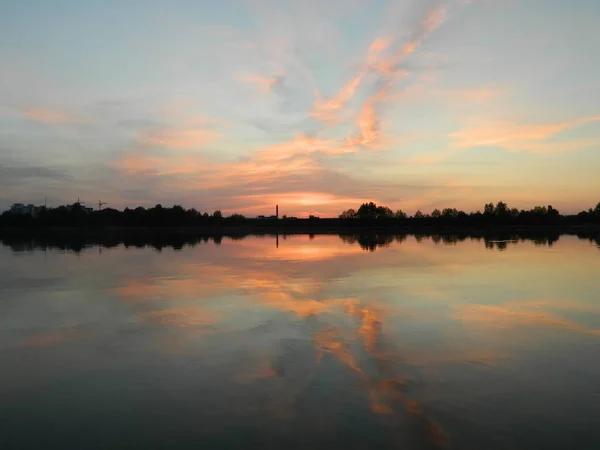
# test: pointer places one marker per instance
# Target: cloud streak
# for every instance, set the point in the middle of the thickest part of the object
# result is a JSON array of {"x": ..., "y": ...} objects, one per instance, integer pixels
[
  {"x": 266, "y": 84},
  {"x": 178, "y": 139},
  {"x": 49, "y": 116},
  {"x": 515, "y": 137}
]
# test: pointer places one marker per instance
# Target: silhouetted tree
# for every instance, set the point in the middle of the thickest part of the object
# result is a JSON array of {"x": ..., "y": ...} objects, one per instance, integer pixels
[
  {"x": 348, "y": 214},
  {"x": 367, "y": 211},
  {"x": 501, "y": 209},
  {"x": 449, "y": 212}
]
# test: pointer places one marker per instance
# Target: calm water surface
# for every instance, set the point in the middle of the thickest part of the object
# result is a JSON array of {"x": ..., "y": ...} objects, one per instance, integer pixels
[{"x": 315, "y": 343}]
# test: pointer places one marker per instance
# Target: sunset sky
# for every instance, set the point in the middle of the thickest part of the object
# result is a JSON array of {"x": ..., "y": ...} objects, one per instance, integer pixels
[{"x": 315, "y": 105}]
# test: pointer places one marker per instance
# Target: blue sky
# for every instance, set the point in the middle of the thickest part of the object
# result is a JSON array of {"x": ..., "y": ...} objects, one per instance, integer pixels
[{"x": 314, "y": 105}]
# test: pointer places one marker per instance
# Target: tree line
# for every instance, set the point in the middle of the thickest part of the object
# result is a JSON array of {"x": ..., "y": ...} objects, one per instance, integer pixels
[
  {"x": 76, "y": 215},
  {"x": 499, "y": 213}
]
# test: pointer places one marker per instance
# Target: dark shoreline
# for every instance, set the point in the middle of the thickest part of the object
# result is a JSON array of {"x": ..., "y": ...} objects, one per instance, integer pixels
[
  {"x": 369, "y": 237},
  {"x": 304, "y": 228}
]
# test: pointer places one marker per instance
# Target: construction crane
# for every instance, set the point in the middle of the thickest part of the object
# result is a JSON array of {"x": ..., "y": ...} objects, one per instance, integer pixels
[{"x": 101, "y": 204}]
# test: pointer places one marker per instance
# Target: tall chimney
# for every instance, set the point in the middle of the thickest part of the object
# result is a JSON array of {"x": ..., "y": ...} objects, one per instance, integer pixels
[{"x": 277, "y": 211}]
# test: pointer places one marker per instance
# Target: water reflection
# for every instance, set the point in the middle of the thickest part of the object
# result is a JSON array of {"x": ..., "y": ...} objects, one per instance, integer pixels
[
  {"x": 361, "y": 341},
  {"x": 366, "y": 241}
]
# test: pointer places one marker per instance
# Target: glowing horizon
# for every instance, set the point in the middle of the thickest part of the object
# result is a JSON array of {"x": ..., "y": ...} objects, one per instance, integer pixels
[{"x": 239, "y": 106}]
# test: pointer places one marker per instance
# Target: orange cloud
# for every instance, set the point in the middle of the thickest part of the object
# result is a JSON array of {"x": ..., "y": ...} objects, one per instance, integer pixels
[
  {"x": 328, "y": 109},
  {"x": 368, "y": 125},
  {"x": 301, "y": 145},
  {"x": 325, "y": 110},
  {"x": 277, "y": 161},
  {"x": 518, "y": 137},
  {"x": 379, "y": 45},
  {"x": 388, "y": 66},
  {"x": 296, "y": 157},
  {"x": 49, "y": 116},
  {"x": 368, "y": 121}
]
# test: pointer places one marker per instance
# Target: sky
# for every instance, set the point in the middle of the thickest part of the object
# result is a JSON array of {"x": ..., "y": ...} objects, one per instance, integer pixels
[{"x": 317, "y": 106}]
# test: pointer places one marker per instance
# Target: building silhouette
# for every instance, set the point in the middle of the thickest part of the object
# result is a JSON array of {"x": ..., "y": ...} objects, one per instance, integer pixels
[{"x": 25, "y": 210}]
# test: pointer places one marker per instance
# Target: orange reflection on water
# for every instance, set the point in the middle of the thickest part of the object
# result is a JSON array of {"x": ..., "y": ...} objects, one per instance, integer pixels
[
  {"x": 182, "y": 317},
  {"x": 331, "y": 342},
  {"x": 385, "y": 386},
  {"x": 514, "y": 315},
  {"x": 49, "y": 338},
  {"x": 189, "y": 282},
  {"x": 427, "y": 280},
  {"x": 298, "y": 248}
]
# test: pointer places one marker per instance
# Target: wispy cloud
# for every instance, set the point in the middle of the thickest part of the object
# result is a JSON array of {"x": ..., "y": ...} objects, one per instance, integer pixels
[
  {"x": 178, "y": 139},
  {"x": 329, "y": 109},
  {"x": 475, "y": 95},
  {"x": 265, "y": 83},
  {"x": 516, "y": 137},
  {"x": 388, "y": 69},
  {"x": 369, "y": 126},
  {"x": 49, "y": 116},
  {"x": 326, "y": 109}
]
